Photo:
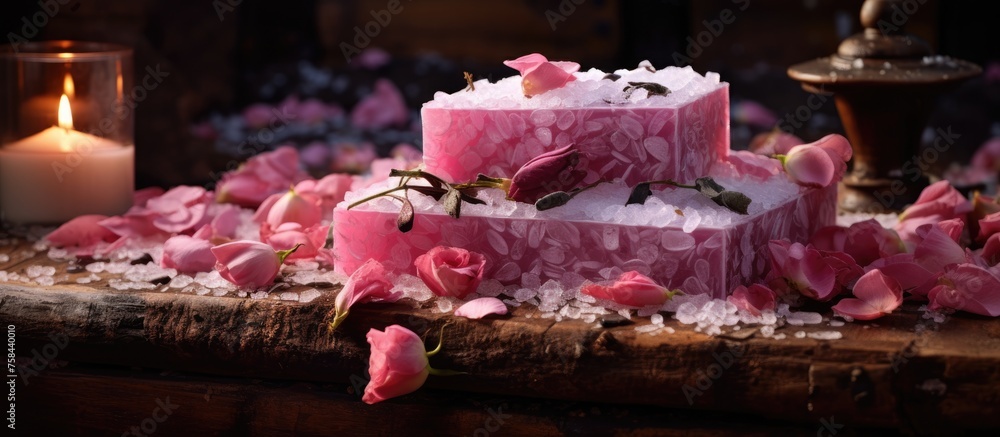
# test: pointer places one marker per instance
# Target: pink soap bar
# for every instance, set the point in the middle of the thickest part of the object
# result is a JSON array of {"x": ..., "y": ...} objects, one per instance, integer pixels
[
  {"x": 679, "y": 136},
  {"x": 706, "y": 250}
]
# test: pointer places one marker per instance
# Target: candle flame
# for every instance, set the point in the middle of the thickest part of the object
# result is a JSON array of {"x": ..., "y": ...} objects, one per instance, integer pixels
[
  {"x": 65, "y": 113},
  {"x": 68, "y": 87}
]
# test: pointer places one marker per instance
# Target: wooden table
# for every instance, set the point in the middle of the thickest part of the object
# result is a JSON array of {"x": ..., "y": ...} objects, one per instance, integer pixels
[{"x": 230, "y": 365}]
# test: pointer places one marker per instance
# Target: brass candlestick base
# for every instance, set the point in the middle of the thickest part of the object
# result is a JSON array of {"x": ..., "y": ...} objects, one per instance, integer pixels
[{"x": 885, "y": 83}]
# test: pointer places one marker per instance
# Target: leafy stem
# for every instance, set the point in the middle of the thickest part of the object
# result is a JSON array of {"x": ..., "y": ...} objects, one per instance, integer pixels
[{"x": 732, "y": 200}]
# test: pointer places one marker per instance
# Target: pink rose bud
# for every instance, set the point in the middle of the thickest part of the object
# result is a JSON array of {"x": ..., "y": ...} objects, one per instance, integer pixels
[
  {"x": 292, "y": 207},
  {"x": 820, "y": 163},
  {"x": 249, "y": 264},
  {"x": 451, "y": 271},
  {"x": 187, "y": 254},
  {"x": 546, "y": 173},
  {"x": 309, "y": 241},
  {"x": 632, "y": 288},
  {"x": 398, "y": 364},
  {"x": 367, "y": 283}
]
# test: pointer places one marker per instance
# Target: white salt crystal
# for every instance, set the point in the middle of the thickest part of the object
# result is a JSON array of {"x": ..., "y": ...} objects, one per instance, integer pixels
[
  {"x": 524, "y": 294},
  {"x": 308, "y": 295},
  {"x": 289, "y": 295},
  {"x": 826, "y": 335},
  {"x": 778, "y": 336},
  {"x": 181, "y": 281},
  {"x": 809, "y": 318},
  {"x": 4, "y": 258},
  {"x": 767, "y": 330},
  {"x": 117, "y": 267},
  {"x": 95, "y": 267},
  {"x": 800, "y": 334},
  {"x": 589, "y": 318},
  {"x": 45, "y": 280},
  {"x": 646, "y": 328},
  {"x": 656, "y": 319},
  {"x": 34, "y": 271},
  {"x": 444, "y": 305},
  {"x": 836, "y": 323},
  {"x": 691, "y": 220},
  {"x": 626, "y": 313}
]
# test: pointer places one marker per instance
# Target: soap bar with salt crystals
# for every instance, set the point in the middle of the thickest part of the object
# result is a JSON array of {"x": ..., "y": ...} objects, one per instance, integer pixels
[
  {"x": 678, "y": 237},
  {"x": 634, "y": 136}
]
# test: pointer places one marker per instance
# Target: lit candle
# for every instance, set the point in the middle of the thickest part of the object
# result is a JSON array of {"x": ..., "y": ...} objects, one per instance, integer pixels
[
  {"x": 39, "y": 112},
  {"x": 60, "y": 173}
]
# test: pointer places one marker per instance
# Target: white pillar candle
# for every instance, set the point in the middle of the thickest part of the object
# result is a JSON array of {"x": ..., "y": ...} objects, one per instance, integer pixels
[{"x": 60, "y": 173}]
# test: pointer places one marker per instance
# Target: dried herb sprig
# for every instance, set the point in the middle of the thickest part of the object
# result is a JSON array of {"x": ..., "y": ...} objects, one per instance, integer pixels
[
  {"x": 560, "y": 198},
  {"x": 450, "y": 195},
  {"x": 652, "y": 89},
  {"x": 468, "y": 79},
  {"x": 732, "y": 200}
]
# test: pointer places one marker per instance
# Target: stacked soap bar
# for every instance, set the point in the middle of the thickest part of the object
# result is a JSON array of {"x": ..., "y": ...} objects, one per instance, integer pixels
[
  {"x": 630, "y": 135},
  {"x": 678, "y": 237}
]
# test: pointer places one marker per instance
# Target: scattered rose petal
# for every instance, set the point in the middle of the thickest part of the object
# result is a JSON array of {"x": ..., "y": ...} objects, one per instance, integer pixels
[
  {"x": 875, "y": 296},
  {"x": 482, "y": 307}
]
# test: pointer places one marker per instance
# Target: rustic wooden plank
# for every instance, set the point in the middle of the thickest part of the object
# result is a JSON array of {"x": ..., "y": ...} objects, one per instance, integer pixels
[
  {"x": 897, "y": 372},
  {"x": 109, "y": 401}
]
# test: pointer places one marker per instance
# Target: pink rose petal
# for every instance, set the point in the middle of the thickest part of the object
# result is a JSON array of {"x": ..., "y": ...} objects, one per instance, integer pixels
[{"x": 479, "y": 308}]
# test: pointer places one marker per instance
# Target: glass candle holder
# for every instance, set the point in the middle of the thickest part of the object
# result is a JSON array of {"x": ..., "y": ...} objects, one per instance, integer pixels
[{"x": 66, "y": 141}]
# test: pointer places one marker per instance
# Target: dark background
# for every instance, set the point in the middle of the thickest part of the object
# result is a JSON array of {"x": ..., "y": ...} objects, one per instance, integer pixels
[{"x": 220, "y": 53}]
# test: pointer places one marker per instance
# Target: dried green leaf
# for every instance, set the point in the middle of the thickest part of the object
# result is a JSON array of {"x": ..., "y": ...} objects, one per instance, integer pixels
[
  {"x": 452, "y": 202},
  {"x": 652, "y": 88},
  {"x": 404, "y": 221},
  {"x": 483, "y": 178},
  {"x": 553, "y": 200},
  {"x": 472, "y": 200},
  {"x": 436, "y": 193},
  {"x": 430, "y": 178},
  {"x": 639, "y": 194},
  {"x": 708, "y": 187},
  {"x": 735, "y": 201}
]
